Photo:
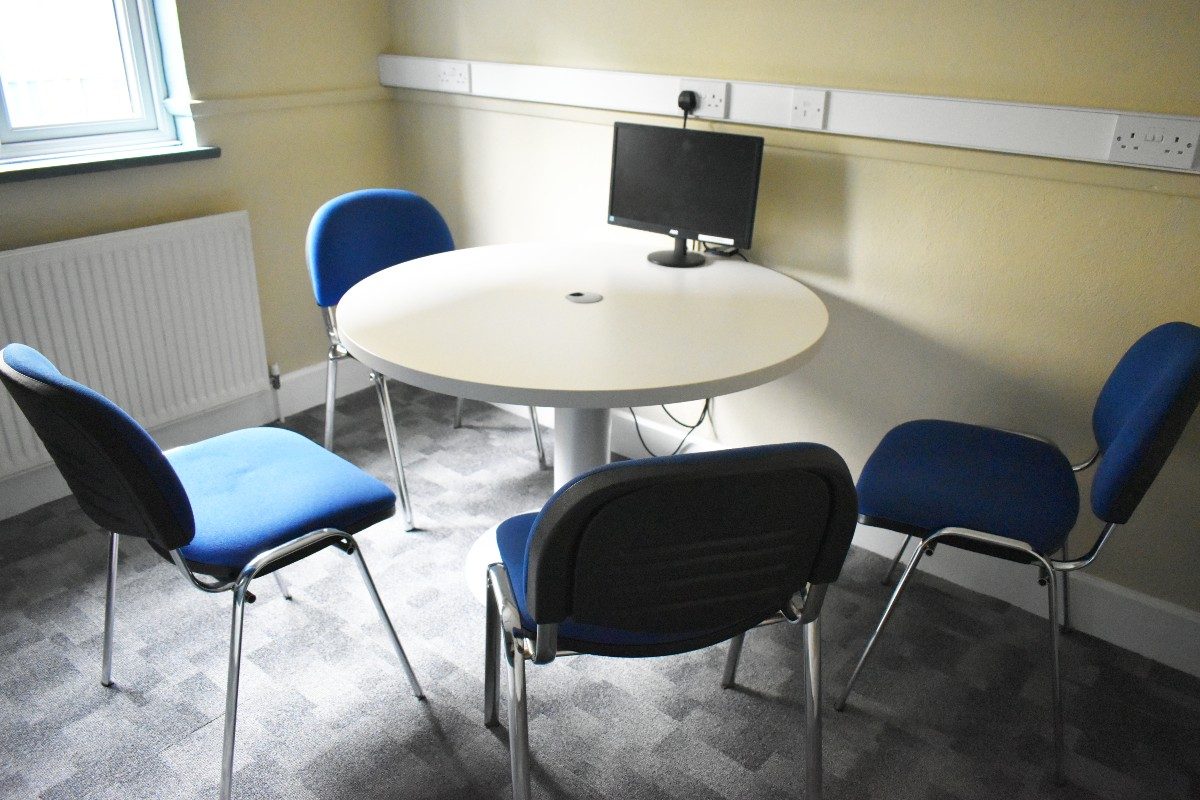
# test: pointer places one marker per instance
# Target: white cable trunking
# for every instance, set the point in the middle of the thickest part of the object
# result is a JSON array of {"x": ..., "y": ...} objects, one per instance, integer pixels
[{"x": 1150, "y": 141}]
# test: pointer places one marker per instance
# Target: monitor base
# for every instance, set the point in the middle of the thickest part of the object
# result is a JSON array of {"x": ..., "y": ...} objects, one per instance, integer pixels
[{"x": 679, "y": 257}]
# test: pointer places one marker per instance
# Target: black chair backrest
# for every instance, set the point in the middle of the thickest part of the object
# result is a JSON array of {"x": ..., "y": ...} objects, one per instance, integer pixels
[
  {"x": 691, "y": 542},
  {"x": 1141, "y": 413},
  {"x": 116, "y": 471}
]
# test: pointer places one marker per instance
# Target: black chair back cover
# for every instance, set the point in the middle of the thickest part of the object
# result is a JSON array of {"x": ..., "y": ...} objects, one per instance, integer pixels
[{"x": 694, "y": 542}]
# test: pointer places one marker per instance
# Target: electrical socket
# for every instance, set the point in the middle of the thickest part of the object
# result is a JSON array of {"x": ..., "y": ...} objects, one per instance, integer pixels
[
  {"x": 808, "y": 108},
  {"x": 712, "y": 97},
  {"x": 1155, "y": 142},
  {"x": 454, "y": 76}
]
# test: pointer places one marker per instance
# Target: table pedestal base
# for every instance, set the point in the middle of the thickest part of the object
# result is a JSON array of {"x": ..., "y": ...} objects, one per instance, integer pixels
[
  {"x": 482, "y": 555},
  {"x": 581, "y": 441}
]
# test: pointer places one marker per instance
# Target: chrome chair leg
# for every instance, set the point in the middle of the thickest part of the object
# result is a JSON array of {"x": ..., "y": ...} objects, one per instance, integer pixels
[
  {"x": 330, "y": 397},
  {"x": 110, "y": 610},
  {"x": 1056, "y": 677},
  {"x": 518, "y": 719},
  {"x": 283, "y": 589},
  {"x": 887, "y": 613},
  {"x": 887, "y": 577},
  {"x": 389, "y": 431},
  {"x": 491, "y": 661},
  {"x": 1066, "y": 594},
  {"x": 231, "y": 689},
  {"x": 387, "y": 623},
  {"x": 731, "y": 660},
  {"x": 812, "y": 708},
  {"x": 537, "y": 436},
  {"x": 458, "y": 405}
]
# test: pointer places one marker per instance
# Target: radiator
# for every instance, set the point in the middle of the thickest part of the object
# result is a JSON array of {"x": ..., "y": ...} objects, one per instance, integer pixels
[{"x": 163, "y": 320}]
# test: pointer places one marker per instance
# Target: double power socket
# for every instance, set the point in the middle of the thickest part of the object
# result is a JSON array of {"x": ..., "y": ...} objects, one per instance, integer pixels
[
  {"x": 1155, "y": 142},
  {"x": 807, "y": 109}
]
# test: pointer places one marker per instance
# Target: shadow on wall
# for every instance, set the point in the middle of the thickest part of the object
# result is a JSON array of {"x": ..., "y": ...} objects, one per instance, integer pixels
[
  {"x": 869, "y": 374},
  {"x": 802, "y": 211},
  {"x": 431, "y": 160},
  {"x": 1159, "y": 548}
]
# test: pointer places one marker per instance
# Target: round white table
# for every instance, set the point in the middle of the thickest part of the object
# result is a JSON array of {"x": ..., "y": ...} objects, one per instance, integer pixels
[
  {"x": 505, "y": 324},
  {"x": 496, "y": 324}
]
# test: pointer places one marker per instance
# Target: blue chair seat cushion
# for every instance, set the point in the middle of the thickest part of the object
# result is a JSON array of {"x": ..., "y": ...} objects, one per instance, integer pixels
[
  {"x": 932, "y": 474},
  {"x": 512, "y": 537},
  {"x": 254, "y": 489}
]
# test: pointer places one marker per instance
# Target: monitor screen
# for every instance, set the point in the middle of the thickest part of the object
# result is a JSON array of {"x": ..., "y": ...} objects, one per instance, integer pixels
[{"x": 689, "y": 184}]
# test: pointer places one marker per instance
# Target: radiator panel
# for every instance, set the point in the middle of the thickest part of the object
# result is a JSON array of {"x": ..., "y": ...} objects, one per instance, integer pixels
[{"x": 164, "y": 320}]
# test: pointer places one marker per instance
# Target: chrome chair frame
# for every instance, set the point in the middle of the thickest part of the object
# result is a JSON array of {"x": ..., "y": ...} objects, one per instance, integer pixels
[
  {"x": 504, "y": 629},
  {"x": 1051, "y": 571},
  {"x": 338, "y": 352},
  {"x": 1082, "y": 466},
  {"x": 533, "y": 422},
  {"x": 240, "y": 586}
]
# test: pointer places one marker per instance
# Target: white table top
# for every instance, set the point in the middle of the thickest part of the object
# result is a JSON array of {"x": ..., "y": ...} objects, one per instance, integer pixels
[{"x": 494, "y": 323}]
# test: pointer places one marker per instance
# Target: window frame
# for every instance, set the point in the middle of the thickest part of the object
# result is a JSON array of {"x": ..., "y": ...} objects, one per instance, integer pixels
[{"x": 154, "y": 127}]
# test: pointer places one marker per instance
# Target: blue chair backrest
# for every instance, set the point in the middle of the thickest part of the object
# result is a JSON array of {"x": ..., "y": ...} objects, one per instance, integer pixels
[
  {"x": 1141, "y": 413},
  {"x": 116, "y": 471},
  {"x": 700, "y": 541},
  {"x": 358, "y": 234}
]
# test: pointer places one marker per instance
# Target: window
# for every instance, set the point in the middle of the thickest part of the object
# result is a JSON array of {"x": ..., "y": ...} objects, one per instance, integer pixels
[{"x": 81, "y": 75}]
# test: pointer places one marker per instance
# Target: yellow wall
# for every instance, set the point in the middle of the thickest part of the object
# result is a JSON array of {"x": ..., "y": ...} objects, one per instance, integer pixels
[
  {"x": 962, "y": 285},
  {"x": 292, "y": 97},
  {"x": 965, "y": 285}
]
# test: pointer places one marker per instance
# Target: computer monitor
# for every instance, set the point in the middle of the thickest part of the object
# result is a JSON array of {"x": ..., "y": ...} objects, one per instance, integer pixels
[{"x": 689, "y": 184}]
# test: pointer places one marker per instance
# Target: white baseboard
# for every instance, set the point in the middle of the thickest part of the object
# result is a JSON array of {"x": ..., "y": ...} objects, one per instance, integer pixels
[
  {"x": 305, "y": 387},
  {"x": 33, "y": 487},
  {"x": 298, "y": 391},
  {"x": 1162, "y": 631}
]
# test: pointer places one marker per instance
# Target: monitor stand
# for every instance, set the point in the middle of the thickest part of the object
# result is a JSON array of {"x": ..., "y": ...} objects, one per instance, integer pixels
[{"x": 679, "y": 257}]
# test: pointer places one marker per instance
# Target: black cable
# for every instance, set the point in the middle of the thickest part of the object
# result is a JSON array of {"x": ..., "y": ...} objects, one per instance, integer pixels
[
  {"x": 687, "y": 103},
  {"x": 703, "y": 414},
  {"x": 690, "y": 428}
]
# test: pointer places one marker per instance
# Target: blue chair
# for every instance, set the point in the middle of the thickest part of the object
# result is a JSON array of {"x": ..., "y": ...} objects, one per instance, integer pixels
[
  {"x": 668, "y": 555},
  {"x": 1015, "y": 496},
  {"x": 352, "y": 237},
  {"x": 225, "y": 510}
]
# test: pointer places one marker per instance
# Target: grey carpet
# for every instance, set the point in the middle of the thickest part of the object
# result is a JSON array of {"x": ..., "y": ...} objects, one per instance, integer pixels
[{"x": 952, "y": 706}]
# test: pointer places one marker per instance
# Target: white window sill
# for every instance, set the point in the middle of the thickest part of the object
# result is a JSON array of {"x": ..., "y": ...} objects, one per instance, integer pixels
[{"x": 100, "y": 161}]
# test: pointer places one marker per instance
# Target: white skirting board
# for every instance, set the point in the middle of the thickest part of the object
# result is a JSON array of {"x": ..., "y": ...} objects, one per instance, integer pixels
[
  {"x": 41, "y": 484},
  {"x": 1162, "y": 631}
]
